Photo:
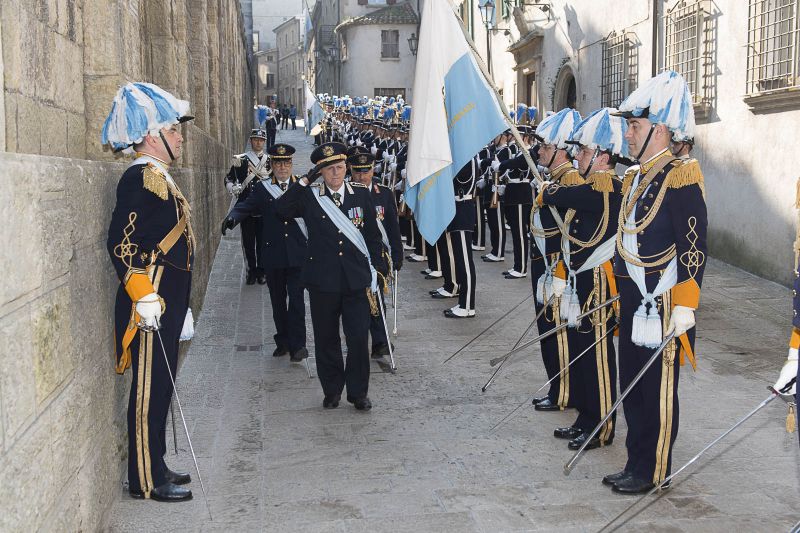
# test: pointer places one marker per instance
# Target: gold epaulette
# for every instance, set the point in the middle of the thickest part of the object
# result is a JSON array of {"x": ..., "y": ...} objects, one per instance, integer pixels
[
  {"x": 685, "y": 173},
  {"x": 155, "y": 181},
  {"x": 571, "y": 177},
  {"x": 238, "y": 160},
  {"x": 627, "y": 180},
  {"x": 602, "y": 181}
]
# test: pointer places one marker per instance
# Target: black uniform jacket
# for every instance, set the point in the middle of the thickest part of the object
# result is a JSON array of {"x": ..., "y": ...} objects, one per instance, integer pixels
[
  {"x": 464, "y": 187},
  {"x": 284, "y": 244},
  {"x": 333, "y": 263},
  {"x": 238, "y": 174},
  {"x": 386, "y": 212},
  {"x": 564, "y": 175}
]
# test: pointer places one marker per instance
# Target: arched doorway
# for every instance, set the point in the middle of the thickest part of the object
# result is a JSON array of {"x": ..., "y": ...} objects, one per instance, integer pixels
[{"x": 566, "y": 89}]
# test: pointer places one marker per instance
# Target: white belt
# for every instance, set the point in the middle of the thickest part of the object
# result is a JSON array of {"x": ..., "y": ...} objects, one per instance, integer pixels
[
  {"x": 518, "y": 181},
  {"x": 463, "y": 198}
]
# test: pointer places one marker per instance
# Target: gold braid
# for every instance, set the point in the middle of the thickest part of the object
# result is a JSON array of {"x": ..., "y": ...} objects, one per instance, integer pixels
[{"x": 600, "y": 231}]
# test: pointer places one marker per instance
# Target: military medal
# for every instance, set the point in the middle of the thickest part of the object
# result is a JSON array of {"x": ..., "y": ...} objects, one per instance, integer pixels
[
  {"x": 356, "y": 215},
  {"x": 379, "y": 212}
]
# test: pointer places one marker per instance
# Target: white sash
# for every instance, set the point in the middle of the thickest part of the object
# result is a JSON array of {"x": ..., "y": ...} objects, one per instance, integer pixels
[
  {"x": 350, "y": 231},
  {"x": 545, "y": 281},
  {"x": 570, "y": 305},
  {"x": 276, "y": 193},
  {"x": 384, "y": 236},
  {"x": 647, "y": 329}
]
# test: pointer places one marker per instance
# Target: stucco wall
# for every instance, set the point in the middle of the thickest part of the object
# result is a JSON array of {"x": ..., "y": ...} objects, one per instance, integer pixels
[
  {"x": 364, "y": 69},
  {"x": 62, "y": 407}
]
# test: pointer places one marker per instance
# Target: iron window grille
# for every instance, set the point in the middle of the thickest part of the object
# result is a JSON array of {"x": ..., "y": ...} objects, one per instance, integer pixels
[
  {"x": 619, "y": 69},
  {"x": 689, "y": 48},
  {"x": 772, "y": 44}
]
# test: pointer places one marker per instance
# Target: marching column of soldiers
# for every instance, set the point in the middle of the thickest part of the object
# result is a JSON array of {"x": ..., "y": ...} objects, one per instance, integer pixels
[{"x": 608, "y": 255}]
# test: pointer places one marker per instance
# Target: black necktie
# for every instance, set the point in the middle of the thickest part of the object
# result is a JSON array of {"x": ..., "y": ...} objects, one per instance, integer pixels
[
  {"x": 283, "y": 186},
  {"x": 336, "y": 197}
]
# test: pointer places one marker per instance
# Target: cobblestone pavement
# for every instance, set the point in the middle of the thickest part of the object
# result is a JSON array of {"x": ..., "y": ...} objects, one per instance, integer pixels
[{"x": 424, "y": 460}]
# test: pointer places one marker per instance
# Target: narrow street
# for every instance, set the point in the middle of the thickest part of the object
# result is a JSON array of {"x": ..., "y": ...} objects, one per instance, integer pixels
[{"x": 423, "y": 460}]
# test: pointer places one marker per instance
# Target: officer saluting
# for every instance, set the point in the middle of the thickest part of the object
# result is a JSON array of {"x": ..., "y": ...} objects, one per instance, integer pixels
[
  {"x": 659, "y": 264},
  {"x": 283, "y": 252},
  {"x": 151, "y": 245},
  {"x": 248, "y": 168},
  {"x": 344, "y": 251},
  {"x": 362, "y": 172}
]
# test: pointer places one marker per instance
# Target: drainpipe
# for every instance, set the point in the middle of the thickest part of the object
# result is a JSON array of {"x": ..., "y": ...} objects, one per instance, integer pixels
[{"x": 656, "y": 28}]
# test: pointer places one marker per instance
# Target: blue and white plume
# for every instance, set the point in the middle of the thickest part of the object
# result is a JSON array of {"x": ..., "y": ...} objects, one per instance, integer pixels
[
  {"x": 667, "y": 100},
  {"x": 522, "y": 114},
  {"x": 140, "y": 109},
  {"x": 604, "y": 131},
  {"x": 557, "y": 129}
]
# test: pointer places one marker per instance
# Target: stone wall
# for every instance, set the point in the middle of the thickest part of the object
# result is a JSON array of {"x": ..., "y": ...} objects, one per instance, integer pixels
[{"x": 62, "y": 407}]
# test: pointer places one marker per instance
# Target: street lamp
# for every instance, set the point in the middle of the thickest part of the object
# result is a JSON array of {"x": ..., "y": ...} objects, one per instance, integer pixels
[
  {"x": 487, "y": 13},
  {"x": 413, "y": 44}
]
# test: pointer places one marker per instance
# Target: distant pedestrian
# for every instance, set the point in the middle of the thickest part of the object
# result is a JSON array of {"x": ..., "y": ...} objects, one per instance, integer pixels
[
  {"x": 285, "y": 117},
  {"x": 293, "y": 116}
]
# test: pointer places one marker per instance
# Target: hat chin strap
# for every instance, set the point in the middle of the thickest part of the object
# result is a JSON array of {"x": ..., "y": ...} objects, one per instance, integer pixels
[
  {"x": 166, "y": 145},
  {"x": 646, "y": 142},
  {"x": 591, "y": 163},
  {"x": 555, "y": 153}
]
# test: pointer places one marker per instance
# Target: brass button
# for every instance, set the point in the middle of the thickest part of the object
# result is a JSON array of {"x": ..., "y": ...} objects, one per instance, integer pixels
[
  {"x": 323, "y": 216},
  {"x": 285, "y": 234},
  {"x": 340, "y": 243},
  {"x": 794, "y": 313},
  {"x": 310, "y": 258},
  {"x": 340, "y": 231},
  {"x": 340, "y": 253},
  {"x": 797, "y": 274},
  {"x": 285, "y": 223},
  {"x": 655, "y": 184},
  {"x": 641, "y": 232},
  {"x": 794, "y": 292},
  {"x": 650, "y": 195},
  {"x": 646, "y": 208}
]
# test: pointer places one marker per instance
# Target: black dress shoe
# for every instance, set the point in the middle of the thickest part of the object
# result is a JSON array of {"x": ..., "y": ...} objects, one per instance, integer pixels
[
  {"x": 379, "y": 350},
  {"x": 299, "y": 355},
  {"x": 280, "y": 351},
  {"x": 632, "y": 485},
  {"x": 178, "y": 478},
  {"x": 331, "y": 401},
  {"x": 567, "y": 433},
  {"x": 613, "y": 479},
  {"x": 262, "y": 279},
  {"x": 362, "y": 403},
  {"x": 168, "y": 492},
  {"x": 538, "y": 400},
  {"x": 547, "y": 405},
  {"x": 450, "y": 314},
  {"x": 434, "y": 291},
  {"x": 251, "y": 279},
  {"x": 439, "y": 296},
  {"x": 577, "y": 442}
]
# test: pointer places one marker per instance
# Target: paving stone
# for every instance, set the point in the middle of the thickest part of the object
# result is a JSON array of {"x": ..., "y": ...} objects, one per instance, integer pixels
[{"x": 424, "y": 460}]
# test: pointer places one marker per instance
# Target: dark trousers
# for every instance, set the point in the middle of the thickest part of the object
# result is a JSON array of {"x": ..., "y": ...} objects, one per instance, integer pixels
[
  {"x": 288, "y": 307},
  {"x": 479, "y": 234},
  {"x": 252, "y": 231},
  {"x": 444, "y": 250},
  {"x": 151, "y": 387},
  {"x": 420, "y": 246},
  {"x": 651, "y": 408},
  {"x": 555, "y": 348},
  {"x": 294, "y": 123},
  {"x": 377, "y": 332},
  {"x": 434, "y": 259},
  {"x": 518, "y": 217},
  {"x": 496, "y": 220},
  {"x": 594, "y": 375},
  {"x": 465, "y": 268},
  {"x": 405, "y": 230},
  {"x": 328, "y": 310},
  {"x": 271, "y": 137}
]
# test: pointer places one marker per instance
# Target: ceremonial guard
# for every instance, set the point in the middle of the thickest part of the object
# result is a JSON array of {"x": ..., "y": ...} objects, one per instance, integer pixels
[
  {"x": 517, "y": 201},
  {"x": 479, "y": 232},
  {"x": 344, "y": 251},
  {"x": 271, "y": 124},
  {"x": 546, "y": 223},
  {"x": 493, "y": 192},
  {"x": 459, "y": 240},
  {"x": 247, "y": 170},
  {"x": 362, "y": 172},
  {"x": 587, "y": 245},
  {"x": 151, "y": 245},
  {"x": 659, "y": 264},
  {"x": 283, "y": 252}
]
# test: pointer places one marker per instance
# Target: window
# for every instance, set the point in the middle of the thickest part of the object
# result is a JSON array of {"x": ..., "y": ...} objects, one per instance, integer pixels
[
  {"x": 390, "y": 43},
  {"x": 619, "y": 70},
  {"x": 688, "y": 50},
  {"x": 270, "y": 81},
  {"x": 255, "y": 41},
  {"x": 390, "y": 92},
  {"x": 270, "y": 59},
  {"x": 772, "y": 45}
]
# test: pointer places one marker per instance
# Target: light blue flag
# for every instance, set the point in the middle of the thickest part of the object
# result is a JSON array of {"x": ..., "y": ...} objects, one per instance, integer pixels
[{"x": 442, "y": 143}]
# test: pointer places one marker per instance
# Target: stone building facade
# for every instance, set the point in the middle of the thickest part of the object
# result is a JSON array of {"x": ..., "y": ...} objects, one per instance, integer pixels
[
  {"x": 62, "y": 408},
  {"x": 741, "y": 60},
  {"x": 291, "y": 62}
]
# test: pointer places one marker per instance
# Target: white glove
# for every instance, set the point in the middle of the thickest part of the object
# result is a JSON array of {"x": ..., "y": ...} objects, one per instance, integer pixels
[
  {"x": 392, "y": 166},
  {"x": 501, "y": 190},
  {"x": 681, "y": 321},
  {"x": 403, "y": 173},
  {"x": 352, "y": 142},
  {"x": 495, "y": 165},
  {"x": 149, "y": 310},
  {"x": 398, "y": 186},
  {"x": 788, "y": 378},
  {"x": 359, "y": 142},
  {"x": 373, "y": 150},
  {"x": 386, "y": 156},
  {"x": 558, "y": 286},
  {"x": 481, "y": 183},
  {"x": 229, "y": 187},
  {"x": 543, "y": 186}
]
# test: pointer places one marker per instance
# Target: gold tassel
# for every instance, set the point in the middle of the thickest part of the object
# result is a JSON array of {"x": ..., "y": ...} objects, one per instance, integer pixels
[
  {"x": 791, "y": 420},
  {"x": 687, "y": 173},
  {"x": 627, "y": 181},
  {"x": 602, "y": 182},
  {"x": 373, "y": 302}
]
